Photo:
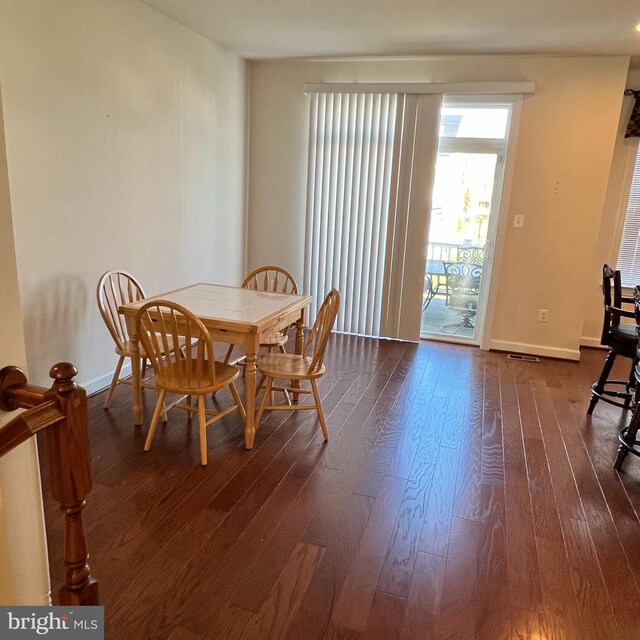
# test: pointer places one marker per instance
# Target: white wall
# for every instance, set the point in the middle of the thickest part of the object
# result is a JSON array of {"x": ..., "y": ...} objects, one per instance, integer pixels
[
  {"x": 125, "y": 136},
  {"x": 564, "y": 153},
  {"x": 11, "y": 336},
  {"x": 24, "y": 572},
  {"x": 612, "y": 223}
]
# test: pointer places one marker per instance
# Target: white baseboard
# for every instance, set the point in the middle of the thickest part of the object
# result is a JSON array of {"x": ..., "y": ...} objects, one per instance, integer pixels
[
  {"x": 102, "y": 382},
  {"x": 535, "y": 350},
  {"x": 585, "y": 341}
]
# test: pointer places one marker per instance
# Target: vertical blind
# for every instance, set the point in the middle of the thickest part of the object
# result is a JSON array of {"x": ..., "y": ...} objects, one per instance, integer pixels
[
  {"x": 351, "y": 147},
  {"x": 629, "y": 256}
]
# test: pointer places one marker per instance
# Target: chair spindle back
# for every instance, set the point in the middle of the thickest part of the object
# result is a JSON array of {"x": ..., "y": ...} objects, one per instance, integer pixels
[
  {"x": 611, "y": 282},
  {"x": 116, "y": 288},
  {"x": 272, "y": 279},
  {"x": 463, "y": 278},
  {"x": 471, "y": 255},
  {"x": 161, "y": 325},
  {"x": 319, "y": 334}
]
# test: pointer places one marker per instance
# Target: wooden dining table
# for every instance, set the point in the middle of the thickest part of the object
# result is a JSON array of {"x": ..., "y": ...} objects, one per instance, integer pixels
[{"x": 232, "y": 315}]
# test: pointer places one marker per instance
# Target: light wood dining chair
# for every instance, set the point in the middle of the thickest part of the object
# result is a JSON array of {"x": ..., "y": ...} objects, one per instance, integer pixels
[
  {"x": 116, "y": 288},
  {"x": 276, "y": 280},
  {"x": 187, "y": 372},
  {"x": 308, "y": 366}
]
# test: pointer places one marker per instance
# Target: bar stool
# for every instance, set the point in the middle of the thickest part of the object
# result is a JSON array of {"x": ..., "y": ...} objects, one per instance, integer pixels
[
  {"x": 628, "y": 435},
  {"x": 621, "y": 340}
]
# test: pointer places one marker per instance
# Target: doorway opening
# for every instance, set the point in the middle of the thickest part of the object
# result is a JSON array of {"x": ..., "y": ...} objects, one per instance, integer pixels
[{"x": 466, "y": 198}]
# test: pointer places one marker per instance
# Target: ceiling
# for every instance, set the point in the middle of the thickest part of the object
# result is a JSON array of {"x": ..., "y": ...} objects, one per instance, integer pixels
[{"x": 304, "y": 28}]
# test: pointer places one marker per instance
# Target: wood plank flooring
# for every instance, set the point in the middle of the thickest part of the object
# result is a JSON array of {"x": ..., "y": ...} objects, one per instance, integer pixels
[{"x": 461, "y": 496}]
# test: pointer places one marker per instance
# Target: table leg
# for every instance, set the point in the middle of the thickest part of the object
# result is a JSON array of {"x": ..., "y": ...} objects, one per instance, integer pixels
[
  {"x": 136, "y": 379},
  {"x": 251, "y": 350}
]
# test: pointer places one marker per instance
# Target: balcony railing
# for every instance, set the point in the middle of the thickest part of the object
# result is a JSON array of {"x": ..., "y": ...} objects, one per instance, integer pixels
[
  {"x": 451, "y": 252},
  {"x": 446, "y": 252}
]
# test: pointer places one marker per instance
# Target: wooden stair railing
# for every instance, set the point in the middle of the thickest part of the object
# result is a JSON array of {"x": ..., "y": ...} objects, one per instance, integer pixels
[{"x": 62, "y": 411}]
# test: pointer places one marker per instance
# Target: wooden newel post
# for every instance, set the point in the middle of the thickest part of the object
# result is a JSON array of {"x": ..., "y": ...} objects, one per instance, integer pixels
[{"x": 70, "y": 477}]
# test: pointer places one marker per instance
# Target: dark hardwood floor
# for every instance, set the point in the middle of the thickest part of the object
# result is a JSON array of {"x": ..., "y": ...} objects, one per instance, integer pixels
[{"x": 461, "y": 495}]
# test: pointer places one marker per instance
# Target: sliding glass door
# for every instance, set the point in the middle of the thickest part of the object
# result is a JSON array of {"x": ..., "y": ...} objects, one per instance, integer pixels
[
  {"x": 378, "y": 164},
  {"x": 463, "y": 223}
]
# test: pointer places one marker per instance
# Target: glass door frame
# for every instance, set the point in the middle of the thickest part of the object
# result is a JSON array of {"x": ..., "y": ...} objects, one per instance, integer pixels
[{"x": 504, "y": 148}]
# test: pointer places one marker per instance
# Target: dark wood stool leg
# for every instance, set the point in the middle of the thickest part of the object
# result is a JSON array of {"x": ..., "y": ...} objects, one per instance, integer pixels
[
  {"x": 598, "y": 388},
  {"x": 629, "y": 439},
  {"x": 631, "y": 385}
]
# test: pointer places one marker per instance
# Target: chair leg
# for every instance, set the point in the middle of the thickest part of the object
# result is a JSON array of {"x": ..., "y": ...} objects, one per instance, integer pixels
[
  {"x": 165, "y": 418},
  {"x": 629, "y": 438},
  {"x": 631, "y": 385},
  {"x": 229, "y": 352},
  {"x": 323, "y": 422},
  {"x": 114, "y": 382},
  {"x": 604, "y": 376},
  {"x": 144, "y": 369},
  {"x": 236, "y": 398},
  {"x": 273, "y": 393},
  {"x": 267, "y": 394},
  {"x": 260, "y": 383},
  {"x": 287, "y": 397},
  {"x": 465, "y": 323},
  {"x": 154, "y": 420},
  {"x": 202, "y": 428}
]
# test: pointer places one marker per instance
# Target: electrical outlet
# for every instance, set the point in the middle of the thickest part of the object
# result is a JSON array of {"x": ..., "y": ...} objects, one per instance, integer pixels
[
  {"x": 543, "y": 315},
  {"x": 518, "y": 222}
]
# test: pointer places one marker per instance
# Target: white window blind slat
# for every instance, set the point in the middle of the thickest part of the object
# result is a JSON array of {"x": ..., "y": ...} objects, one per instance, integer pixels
[
  {"x": 336, "y": 225},
  {"x": 326, "y": 177},
  {"x": 349, "y": 316},
  {"x": 311, "y": 191},
  {"x": 341, "y": 235},
  {"x": 316, "y": 220},
  {"x": 385, "y": 192},
  {"x": 362, "y": 221},
  {"x": 347, "y": 240},
  {"x": 365, "y": 324},
  {"x": 629, "y": 255},
  {"x": 329, "y": 202}
]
